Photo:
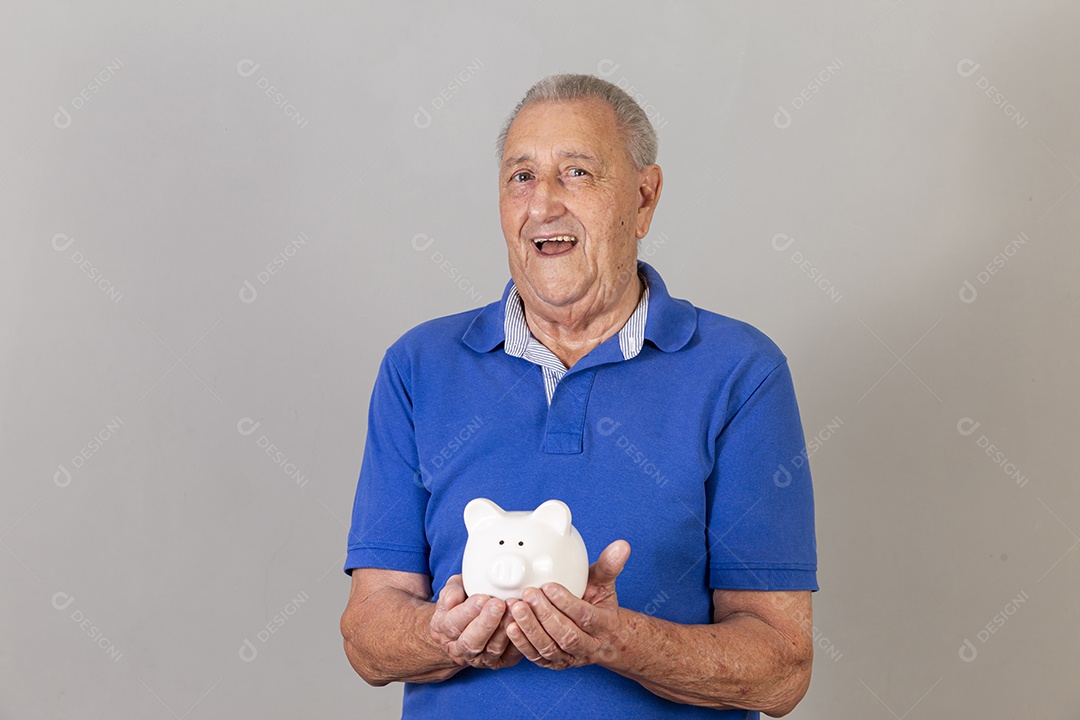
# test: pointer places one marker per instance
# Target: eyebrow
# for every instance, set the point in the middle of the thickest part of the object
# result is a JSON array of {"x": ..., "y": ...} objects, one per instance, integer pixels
[{"x": 567, "y": 154}]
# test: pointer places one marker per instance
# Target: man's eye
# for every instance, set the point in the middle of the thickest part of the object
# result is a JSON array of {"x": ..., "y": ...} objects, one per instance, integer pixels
[
  {"x": 578, "y": 172},
  {"x": 521, "y": 176}
]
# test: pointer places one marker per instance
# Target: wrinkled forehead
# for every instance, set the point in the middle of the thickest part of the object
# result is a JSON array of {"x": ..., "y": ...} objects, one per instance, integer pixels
[{"x": 584, "y": 129}]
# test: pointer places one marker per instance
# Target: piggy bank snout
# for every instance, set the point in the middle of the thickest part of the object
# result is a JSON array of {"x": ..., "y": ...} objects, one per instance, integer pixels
[
  {"x": 506, "y": 552},
  {"x": 507, "y": 571}
]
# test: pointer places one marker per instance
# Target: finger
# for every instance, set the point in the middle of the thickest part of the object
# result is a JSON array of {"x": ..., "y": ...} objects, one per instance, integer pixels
[
  {"x": 517, "y": 636},
  {"x": 521, "y": 643},
  {"x": 562, "y": 629},
  {"x": 581, "y": 613},
  {"x": 452, "y": 593},
  {"x": 610, "y": 563},
  {"x": 511, "y": 656},
  {"x": 474, "y": 638},
  {"x": 540, "y": 622},
  {"x": 497, "y": 644},
  {"x": 453, "y": 621},
  {"x": 499, "y": 641}
]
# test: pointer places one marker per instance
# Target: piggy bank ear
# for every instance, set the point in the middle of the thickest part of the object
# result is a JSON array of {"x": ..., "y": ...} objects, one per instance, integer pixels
[
  {"x": 555, "y": 514},
  {"x": 480, "y": 511}
]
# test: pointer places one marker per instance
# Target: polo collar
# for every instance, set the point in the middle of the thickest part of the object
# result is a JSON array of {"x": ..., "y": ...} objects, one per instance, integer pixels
[{"x": 670, "y": 324}]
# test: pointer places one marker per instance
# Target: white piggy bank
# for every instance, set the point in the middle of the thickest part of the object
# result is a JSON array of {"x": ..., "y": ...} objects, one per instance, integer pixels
[{"x": 509, "y": 551}]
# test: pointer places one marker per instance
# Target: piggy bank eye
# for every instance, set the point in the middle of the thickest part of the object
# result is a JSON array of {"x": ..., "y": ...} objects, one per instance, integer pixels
[
  {"x": 502, "y": 542},
  {"x": 521, "y": 542}
]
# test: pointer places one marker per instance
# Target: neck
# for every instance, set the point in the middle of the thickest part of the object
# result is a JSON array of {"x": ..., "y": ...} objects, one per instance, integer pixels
[{"x": 571, "y": 333}]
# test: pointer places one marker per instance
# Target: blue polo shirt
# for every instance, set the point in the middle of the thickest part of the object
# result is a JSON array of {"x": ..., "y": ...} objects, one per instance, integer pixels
[{"x": 684, "y": 450}]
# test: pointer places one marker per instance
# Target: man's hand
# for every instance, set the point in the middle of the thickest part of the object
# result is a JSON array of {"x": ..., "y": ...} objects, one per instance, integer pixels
[
  {"x": 472, "y": 631},
  {"x": 556, "y": 630}
]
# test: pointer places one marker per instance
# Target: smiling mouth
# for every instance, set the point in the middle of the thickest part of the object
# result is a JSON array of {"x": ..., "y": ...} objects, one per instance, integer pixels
[{"x": 556, "y": 245}]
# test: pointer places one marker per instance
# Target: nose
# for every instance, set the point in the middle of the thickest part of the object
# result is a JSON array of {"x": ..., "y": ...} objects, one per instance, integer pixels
[
  {"x": 506, "y": 571},
  {"x": 545, "y": 202}
]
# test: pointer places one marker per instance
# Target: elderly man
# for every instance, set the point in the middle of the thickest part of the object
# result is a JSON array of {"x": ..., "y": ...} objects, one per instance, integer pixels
[{"x": 663, "y": 426}]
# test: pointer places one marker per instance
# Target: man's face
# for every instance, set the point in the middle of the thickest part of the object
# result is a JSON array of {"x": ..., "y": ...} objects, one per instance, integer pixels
[{"x": 566, "y": 175}]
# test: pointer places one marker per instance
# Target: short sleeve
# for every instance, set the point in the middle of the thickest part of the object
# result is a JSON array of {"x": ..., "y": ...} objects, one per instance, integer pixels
[
  {"x": 759, "y": 495},
  {"x": 387, "y": 529}
]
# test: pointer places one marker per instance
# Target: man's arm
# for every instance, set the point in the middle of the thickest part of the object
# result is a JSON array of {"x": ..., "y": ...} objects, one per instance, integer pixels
[
  {"x": 392, "y": 632},
  {"x": 756, "y": 655}
]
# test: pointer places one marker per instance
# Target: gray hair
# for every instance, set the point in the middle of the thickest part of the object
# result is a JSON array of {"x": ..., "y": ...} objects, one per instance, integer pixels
[{"x": 633, "y": 123}]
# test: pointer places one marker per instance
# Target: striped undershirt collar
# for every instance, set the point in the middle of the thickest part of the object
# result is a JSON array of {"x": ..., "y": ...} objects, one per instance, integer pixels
[{"x": 521, "y": 343}]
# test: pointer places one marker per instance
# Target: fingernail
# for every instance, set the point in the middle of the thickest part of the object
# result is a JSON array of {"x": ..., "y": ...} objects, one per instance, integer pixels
[{"x": 494, "y": 610}]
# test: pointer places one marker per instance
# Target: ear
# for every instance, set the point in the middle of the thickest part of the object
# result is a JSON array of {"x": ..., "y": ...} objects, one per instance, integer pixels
[
  {"x": 652, "y": 181},
  {"x": 555, "y": 514},
  {"x": 479, "y": 511}
]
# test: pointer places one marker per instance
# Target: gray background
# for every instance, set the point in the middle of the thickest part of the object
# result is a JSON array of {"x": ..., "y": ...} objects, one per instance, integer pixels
[{"x": 861, "y": 132}]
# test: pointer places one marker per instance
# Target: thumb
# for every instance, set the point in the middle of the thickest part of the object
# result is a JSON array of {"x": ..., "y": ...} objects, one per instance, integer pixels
[{"x": 610, "y": 563}]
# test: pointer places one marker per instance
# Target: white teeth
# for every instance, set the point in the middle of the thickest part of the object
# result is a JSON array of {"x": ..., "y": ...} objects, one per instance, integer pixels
[{"x": 557, "y": 238}]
